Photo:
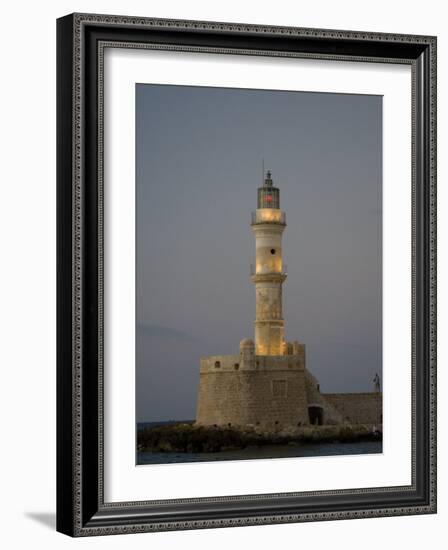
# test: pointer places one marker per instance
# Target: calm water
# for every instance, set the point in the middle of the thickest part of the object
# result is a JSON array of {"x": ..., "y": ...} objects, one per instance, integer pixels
[{"x": 267, "y": 451}]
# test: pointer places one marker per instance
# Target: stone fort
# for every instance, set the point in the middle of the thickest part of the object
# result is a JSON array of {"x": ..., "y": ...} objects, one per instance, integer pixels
[{"x": 267, "y": 385}]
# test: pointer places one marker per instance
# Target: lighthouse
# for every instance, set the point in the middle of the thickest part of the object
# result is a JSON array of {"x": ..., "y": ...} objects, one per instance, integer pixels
[
  {"x": 268, "y": 273},
  {"x": 266, "y": 386}
]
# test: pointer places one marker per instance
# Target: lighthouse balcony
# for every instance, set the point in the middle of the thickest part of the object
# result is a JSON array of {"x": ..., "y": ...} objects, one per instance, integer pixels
[
  {"x": 268, "y": 215},
  {"x": 257, "y": 270}
]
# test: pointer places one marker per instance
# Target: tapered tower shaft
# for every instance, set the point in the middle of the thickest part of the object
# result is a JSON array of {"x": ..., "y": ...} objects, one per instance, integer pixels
[{"x": 268, "y": 224}]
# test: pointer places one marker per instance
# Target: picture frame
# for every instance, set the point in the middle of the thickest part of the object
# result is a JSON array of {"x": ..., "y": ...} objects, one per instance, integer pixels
[{"x": 81, "y": 506}]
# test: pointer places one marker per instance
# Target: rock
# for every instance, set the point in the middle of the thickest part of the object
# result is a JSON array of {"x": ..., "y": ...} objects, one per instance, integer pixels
[{"x": 191, "y": 438}]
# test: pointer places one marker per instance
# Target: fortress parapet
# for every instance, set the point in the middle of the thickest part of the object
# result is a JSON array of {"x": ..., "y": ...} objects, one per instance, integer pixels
[{"x": 216, "y": 364}]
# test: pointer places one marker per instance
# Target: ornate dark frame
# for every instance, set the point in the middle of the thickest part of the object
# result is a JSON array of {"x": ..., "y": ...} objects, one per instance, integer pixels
[{"x": 81, "y": 39}]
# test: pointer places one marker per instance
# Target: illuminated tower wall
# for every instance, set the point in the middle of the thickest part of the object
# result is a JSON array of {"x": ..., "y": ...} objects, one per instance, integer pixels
[{"x": 268, "y": 224}]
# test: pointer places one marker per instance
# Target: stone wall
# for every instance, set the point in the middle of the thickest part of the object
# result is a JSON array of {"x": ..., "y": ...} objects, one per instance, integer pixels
[
  {"x": 358, "y": 408},
  {"x": 269, "y": 394}
]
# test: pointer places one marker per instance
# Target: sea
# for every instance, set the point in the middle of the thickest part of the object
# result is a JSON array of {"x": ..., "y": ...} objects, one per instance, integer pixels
[{"x": 262, "y": 451}]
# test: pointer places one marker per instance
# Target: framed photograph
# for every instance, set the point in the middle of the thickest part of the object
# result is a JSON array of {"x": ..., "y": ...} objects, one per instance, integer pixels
[{"x": 246, "y": 274}]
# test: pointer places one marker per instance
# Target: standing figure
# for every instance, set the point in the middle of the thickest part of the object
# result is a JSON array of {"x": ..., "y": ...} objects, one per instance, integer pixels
[{"x": 376, "y": 382}]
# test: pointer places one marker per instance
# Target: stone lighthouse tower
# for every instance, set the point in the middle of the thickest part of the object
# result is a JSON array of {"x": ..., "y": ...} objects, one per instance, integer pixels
[{"x": 268, "y": 274}]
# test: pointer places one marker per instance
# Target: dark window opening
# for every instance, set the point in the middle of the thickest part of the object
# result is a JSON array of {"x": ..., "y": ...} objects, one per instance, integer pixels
[
  {"x": 272, "y": 250},
  {"x": 217, "y": 364}
]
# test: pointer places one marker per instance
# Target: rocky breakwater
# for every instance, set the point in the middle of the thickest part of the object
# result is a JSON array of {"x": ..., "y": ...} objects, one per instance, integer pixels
[{"x": 192, "y": 438}]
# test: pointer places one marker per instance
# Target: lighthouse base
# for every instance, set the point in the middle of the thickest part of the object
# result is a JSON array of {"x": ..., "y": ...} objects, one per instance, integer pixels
[
  {"x": 274, "y": 394},
  {"x": 270, "y": 394}
]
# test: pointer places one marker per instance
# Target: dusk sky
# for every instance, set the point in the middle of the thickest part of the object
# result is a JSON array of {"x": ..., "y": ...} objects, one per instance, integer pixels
[{"x": 199, "y": 158}]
